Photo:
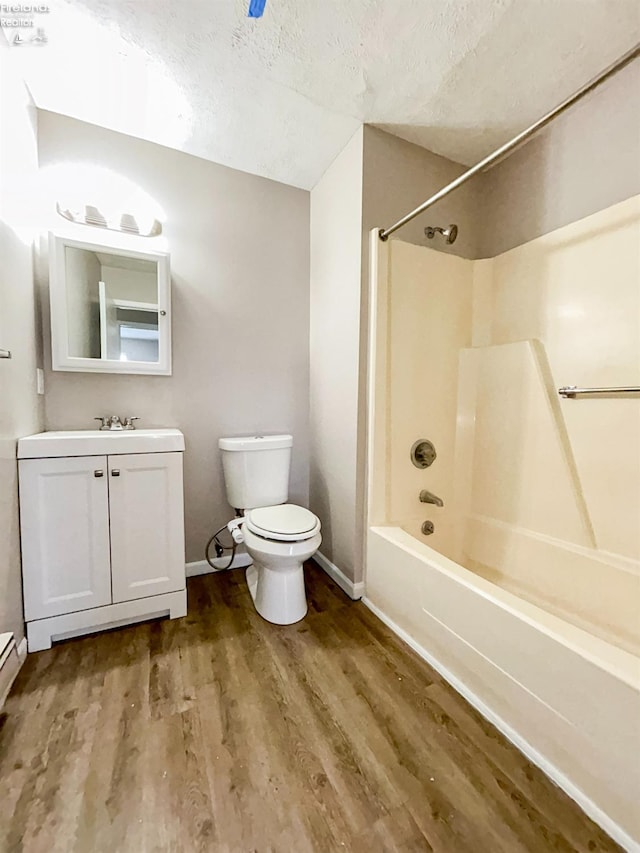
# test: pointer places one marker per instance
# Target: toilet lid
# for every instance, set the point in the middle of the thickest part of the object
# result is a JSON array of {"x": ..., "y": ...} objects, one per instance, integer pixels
[{"x": 286, "y": 522}]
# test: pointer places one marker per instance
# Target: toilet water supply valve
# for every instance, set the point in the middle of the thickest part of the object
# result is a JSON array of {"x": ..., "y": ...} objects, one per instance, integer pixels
[{"x": 235, "y": 529}]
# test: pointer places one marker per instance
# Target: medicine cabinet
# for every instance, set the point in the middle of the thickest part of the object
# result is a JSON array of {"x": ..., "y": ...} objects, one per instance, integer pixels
[{"x": 110, "y": 307}]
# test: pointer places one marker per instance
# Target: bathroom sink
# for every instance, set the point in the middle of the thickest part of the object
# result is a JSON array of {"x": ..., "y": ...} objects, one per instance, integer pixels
[{"x": 95, "y": 442}]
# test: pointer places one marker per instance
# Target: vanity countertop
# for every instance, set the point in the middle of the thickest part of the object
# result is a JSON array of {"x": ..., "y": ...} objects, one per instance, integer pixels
[{"x": 95, "y": 442}]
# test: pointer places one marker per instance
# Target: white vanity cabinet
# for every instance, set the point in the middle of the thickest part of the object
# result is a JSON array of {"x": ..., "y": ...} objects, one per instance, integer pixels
[
  {"x": 102, "y": 527},
  {"x": 64, "y": 516},
  {"x": 147, "y": 524}
]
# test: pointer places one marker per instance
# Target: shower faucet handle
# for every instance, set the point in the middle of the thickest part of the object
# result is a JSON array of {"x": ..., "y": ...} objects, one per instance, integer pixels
[{"x": 423, "y": 453}]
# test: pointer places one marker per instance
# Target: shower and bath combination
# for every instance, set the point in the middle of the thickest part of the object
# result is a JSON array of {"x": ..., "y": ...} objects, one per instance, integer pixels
[{"x": 507, "y": 584}]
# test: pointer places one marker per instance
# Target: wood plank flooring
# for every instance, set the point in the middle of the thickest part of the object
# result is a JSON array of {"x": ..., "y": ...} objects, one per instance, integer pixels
[{"x": 220, "y": 732}]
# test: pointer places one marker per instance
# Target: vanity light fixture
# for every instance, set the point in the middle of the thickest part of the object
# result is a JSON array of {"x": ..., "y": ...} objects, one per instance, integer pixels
[{"x": 124, "y": 222}]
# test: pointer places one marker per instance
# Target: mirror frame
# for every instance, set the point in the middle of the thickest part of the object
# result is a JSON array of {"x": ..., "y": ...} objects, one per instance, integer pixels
[{"x": 60, "y": 358}]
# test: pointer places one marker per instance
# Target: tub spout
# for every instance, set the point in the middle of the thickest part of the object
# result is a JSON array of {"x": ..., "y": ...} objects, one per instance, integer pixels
[{"x": 429, "y": 498}]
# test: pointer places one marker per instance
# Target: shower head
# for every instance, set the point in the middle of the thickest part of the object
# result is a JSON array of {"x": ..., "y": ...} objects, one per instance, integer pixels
[{"x": 449, "y": 233}]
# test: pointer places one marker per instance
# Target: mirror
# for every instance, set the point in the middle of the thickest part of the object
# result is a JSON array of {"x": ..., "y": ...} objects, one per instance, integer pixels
[
  {"x": 112, "y": 306},
  {"x": 109, "y": 308}
]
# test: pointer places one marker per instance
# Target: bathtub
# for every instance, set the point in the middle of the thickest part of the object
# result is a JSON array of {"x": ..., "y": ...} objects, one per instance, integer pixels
[{"x": 568, "y": 699}]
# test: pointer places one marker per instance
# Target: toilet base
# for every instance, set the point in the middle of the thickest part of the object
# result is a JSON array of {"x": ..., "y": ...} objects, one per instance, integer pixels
[{"x": 278, "y": 596}]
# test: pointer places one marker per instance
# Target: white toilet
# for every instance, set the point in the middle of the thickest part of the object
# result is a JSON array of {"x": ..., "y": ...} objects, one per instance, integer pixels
[{"x": 278, "y": 536}]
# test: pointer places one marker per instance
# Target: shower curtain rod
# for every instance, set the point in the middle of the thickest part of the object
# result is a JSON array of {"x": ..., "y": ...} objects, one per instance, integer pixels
[{"x": 620, "y": 63}]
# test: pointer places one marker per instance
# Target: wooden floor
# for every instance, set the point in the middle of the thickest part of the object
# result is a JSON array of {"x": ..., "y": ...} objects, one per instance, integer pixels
[{"x": 220, "y": 732}]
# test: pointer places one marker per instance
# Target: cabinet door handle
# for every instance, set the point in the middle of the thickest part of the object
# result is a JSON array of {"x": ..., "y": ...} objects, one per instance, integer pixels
[
  {"x": 115, "y": 472},
  {"x": 98, "y": 473}
]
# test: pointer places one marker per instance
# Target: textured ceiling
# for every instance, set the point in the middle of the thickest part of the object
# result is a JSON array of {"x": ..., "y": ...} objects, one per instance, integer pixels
[{"x": 281, "y": 95}]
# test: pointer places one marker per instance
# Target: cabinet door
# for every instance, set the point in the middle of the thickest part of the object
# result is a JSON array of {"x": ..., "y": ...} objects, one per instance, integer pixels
[
  {"x": 147, "y": 524},
  {"x": 64, "y": 520}
]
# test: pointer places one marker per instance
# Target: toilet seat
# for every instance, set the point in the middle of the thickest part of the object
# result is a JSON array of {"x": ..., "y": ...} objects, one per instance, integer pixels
[{"x": 282, "y": 523}]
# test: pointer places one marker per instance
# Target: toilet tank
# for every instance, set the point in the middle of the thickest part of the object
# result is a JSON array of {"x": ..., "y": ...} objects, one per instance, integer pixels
[{"x": 256, "y": 469}]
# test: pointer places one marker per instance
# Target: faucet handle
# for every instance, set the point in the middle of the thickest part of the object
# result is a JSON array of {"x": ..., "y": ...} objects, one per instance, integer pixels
[
  {"x": 104, "y": 421},
  {"x": 129, "y": 422}
]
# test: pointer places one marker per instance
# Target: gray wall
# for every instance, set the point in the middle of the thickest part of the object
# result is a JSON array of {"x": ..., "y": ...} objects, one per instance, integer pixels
[
  {"x": 585, "y": 161},
  {"x": 20, "y": 407},
  {"x": 335, "y": 284},
  {"x": 240, "y": 268},
  {"x": 398, "y": 176}
]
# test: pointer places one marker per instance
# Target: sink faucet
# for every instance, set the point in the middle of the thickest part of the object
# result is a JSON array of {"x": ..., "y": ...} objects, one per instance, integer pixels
[
  {"x": 113, "y": 422},
  {"x": 429, "y": 498}
]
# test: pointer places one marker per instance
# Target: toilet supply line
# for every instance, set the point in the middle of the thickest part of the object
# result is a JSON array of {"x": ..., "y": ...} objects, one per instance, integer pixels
[{"x": 234, "y": 528}]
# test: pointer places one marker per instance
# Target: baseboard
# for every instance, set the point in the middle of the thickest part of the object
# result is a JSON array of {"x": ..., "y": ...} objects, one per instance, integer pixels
[
  {"x": 22, "y": 649},
  {"x": 586, "y": 804},
  {"x": 11, "y": 659},
  {"x": 353, "y": 590},
  {"x": 201, "y": 567}
]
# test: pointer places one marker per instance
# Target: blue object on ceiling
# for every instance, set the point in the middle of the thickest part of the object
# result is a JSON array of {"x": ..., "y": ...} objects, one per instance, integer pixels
[{"x": 256, "y": 8}]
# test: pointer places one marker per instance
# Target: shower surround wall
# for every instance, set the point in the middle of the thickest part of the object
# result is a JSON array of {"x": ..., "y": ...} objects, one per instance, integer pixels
[
  {"x": 531, "y": 580},
  {"x": 478, "y": 350},
  {"x": 561, "y": 310}
]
